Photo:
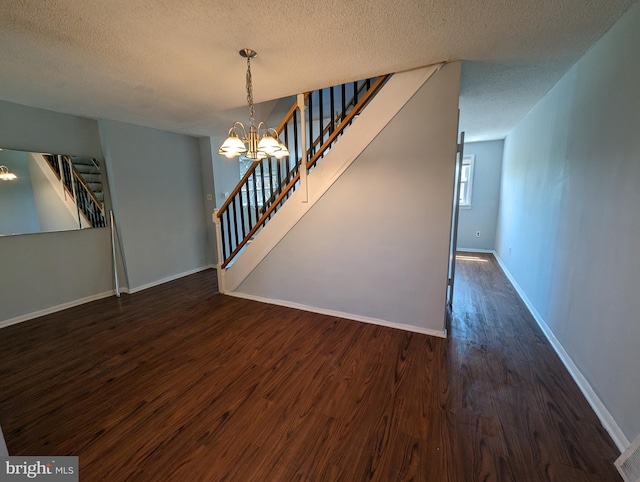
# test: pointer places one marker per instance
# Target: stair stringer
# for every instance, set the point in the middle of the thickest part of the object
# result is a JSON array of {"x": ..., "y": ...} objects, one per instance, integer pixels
[{"x": 393, "y": 96}]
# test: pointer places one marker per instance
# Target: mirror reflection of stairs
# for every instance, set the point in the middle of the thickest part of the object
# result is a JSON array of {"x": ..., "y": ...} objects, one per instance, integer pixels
[
  {"x": 89, "y": 170},
  {"x": 82, "y": 181}
]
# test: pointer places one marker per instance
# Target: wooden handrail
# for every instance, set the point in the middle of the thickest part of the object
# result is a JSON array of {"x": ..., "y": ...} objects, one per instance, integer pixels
[{"x": 347, "y": 120}]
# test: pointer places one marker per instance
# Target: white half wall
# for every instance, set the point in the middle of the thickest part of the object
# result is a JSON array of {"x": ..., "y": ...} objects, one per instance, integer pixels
[
  {"x": 483, "y": 214},
  {"x": 569, "y": 224},
  {"x": 155, "y": 178},
  {"x": 375, "y": 245}
]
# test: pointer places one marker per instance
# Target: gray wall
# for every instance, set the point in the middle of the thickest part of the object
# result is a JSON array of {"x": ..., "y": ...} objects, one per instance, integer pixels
[
  {"x": 30, "y": 129},
  {"x": 158, "y": 200},
  {"x": 569, "y": 223},
  {"x": 376, "y": 244},
  {"x": 36, "y": 267},
  {"x": 156, "y": 181},
  {"x": 227, "y": 172},
  {"x": 483, "y": 213},
  {"x": 208, "y": 183}
]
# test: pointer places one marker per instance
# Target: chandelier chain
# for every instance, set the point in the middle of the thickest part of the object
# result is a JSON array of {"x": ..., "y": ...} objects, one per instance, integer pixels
[{"x": 250, "y": 92}]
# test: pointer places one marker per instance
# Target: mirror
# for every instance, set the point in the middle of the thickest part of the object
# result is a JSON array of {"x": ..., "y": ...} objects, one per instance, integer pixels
[{"x": 49, "y": 192}]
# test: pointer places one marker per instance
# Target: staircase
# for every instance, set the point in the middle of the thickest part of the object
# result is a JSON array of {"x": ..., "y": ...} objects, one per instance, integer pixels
[{"x": 310, "y": 129}]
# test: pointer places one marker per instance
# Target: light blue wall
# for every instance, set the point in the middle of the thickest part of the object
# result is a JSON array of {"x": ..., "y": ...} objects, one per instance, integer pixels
[
  {"x": 569, "y": 223},
  {"x": 155, "y": 179},
  {"x": 485, "y": 194}
]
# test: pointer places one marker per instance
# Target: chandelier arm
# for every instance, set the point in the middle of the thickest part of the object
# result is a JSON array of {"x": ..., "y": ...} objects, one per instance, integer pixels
[{"x": 240, "y": 130}]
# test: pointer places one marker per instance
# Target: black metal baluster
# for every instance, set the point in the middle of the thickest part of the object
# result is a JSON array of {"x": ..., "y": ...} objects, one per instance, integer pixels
[
  {"x": 244, "y": 230},
  {"x": 280, "y": 161},
  {"x": 262, "y": 177},
  {"x": 266, "y": 206},
  {"x": 255, "y": 198},
  {"x": 226, "y": 254},
  {"x": 248, "y": 190},
  {"x": 295, "y": 144},
  {"x": 233, "y": 243},
  {"x": 310, "y": 121},
  {"x": 332, "y": 126},
  {"x": 355, "y": 93},
  {"x": 320, "y": 118},
  {"x": 344, "y": 105}
]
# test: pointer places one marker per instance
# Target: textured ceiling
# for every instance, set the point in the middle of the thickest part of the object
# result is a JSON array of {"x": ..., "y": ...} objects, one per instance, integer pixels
[{"x": 174, "y": 65}]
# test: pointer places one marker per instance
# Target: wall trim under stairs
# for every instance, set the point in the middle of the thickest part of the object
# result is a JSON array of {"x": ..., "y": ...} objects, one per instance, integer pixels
[
  {"x": 340, "y": 314},
  {"x": 386, "y": 104}
]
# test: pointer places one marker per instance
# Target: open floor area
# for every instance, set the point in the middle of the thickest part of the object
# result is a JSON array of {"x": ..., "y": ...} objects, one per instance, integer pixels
[{"x": 179, "y": 383}]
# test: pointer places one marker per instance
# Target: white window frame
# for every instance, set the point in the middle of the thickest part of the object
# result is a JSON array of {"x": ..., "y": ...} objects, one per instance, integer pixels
[{"x": 466, "y": 187}]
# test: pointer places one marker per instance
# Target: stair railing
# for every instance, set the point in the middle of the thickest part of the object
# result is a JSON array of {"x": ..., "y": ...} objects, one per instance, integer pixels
[
  {"x": 268, "y": 183},
  {"x": 77, "y": 189}
]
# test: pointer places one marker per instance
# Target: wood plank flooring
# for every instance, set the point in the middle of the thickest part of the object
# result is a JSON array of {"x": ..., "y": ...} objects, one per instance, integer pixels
[{"x": 177, "y": 383}]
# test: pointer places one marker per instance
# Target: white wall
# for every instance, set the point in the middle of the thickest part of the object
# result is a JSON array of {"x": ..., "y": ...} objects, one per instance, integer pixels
[
  {"x": 376, "y": 244},
  {"x": 483, "y": 214},
  {"x": 158, "y": 200},
  {"x": 569, "y": 217}
]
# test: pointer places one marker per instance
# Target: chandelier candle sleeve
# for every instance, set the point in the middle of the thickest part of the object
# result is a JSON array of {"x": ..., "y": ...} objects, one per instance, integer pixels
[{"x": 260, "y": 141}]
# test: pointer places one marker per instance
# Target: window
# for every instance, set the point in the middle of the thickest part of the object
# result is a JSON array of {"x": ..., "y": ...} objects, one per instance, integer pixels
[{"x": 466, "y": 180}]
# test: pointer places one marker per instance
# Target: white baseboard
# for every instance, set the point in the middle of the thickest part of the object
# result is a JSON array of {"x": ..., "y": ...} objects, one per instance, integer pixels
[
  {"x": 88, "y": 299},
  {"x": 130, "y": 291},
  {"x": 340, "y": 314},
  {"x": 475, "y": 250},
  {"x": 607, "y": 420},
  {"x": 54, "y": 309}
]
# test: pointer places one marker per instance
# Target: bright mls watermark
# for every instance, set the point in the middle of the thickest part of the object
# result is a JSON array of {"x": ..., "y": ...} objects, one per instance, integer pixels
[{"x": 53, "y": 469}]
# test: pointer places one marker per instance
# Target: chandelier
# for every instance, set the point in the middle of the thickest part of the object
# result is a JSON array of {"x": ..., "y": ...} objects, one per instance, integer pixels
[
  {"x": 5, "y": 175},
  {"x": 260, "y": 141}
]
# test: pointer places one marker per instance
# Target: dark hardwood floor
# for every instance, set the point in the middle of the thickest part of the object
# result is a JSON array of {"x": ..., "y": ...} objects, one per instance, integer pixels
[{"x": 177, "y": 383}]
